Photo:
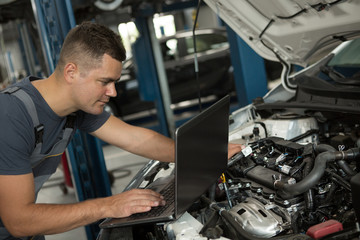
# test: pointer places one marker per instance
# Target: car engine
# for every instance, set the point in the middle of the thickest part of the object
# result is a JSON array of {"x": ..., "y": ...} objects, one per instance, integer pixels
[
  {"x": 283, "y": 187},
  {"x": 278, "y": 187},
  {"x": 295, "y": 173}
]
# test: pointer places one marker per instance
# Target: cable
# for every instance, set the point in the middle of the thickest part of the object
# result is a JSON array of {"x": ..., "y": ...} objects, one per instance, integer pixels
[
  {"x": 304, "y": 135},
  {"x": 294, "y": 15},
  {"x": 285, "y": 72},
  {"x": 318, "y": 7},
  {"x": 264, "y": 127},
  {"x": 196, "y": 66},
  {"x": 286, "y": 67},
  {"x": 267, "y": 26}
]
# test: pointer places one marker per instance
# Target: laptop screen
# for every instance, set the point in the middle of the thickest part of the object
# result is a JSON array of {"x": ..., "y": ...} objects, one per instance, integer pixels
[{"x": 201, "y": 153}]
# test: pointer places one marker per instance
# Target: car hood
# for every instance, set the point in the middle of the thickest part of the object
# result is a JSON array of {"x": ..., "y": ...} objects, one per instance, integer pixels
[{"x": 291, "y": 31}]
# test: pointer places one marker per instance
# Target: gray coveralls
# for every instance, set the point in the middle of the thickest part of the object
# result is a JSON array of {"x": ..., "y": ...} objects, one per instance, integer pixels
[{"x": 37, "y": 158}]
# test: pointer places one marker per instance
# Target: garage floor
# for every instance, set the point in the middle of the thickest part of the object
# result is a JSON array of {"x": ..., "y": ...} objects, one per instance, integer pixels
[{"x": 125, "y": 164}]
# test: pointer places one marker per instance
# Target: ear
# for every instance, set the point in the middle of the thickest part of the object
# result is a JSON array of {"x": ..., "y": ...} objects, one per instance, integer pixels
[{"x": 70, "y": 72}]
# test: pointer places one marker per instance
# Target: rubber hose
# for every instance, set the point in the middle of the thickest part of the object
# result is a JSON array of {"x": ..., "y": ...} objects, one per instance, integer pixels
[
  {"x": 309, "y": 195},
  {"x": 324, "y": 148},
  {"x": 289, "y": 190},
  {"x": 344, "y": 166}
]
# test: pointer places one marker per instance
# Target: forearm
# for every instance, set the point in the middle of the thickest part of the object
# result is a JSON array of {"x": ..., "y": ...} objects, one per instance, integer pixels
[
  {"x": 22, "y": 217},
  {"x": 155, "y": 146},
  {"x": 137, "y": 140},
  {"x": 44, "y": 219}
]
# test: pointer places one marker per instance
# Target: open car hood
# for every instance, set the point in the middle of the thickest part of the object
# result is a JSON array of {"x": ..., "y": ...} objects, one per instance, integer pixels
[{"x": 291, "y": 30}]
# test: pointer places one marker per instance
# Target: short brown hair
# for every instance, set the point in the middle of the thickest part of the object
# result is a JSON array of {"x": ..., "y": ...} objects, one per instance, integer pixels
[{"x": 87, "y": 43}]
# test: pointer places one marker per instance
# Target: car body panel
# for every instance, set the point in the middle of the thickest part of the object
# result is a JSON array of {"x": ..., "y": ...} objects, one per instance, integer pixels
[{"x": 293, "y": 30}]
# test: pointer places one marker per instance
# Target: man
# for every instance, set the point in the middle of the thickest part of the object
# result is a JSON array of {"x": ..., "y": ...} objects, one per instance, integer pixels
[{"x": 89, "y": 65}]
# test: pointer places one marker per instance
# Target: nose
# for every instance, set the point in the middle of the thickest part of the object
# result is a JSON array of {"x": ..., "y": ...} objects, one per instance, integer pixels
[{"x": 111, "y": 91}]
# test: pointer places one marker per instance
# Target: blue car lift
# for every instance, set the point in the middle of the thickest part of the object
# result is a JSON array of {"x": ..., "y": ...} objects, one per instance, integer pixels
[
  {"x": 148, "y": 76},
  {"x": 153, "y": 84},
  {"x": 89, "y": 174},
  {"x": 249, "y": 70}
]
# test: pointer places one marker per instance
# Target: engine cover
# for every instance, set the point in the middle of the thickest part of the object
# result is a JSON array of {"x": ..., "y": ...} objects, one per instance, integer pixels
[{"x": 254, "y": 218}]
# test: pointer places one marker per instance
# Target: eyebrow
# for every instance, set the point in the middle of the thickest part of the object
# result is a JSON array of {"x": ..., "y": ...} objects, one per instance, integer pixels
[{"x": 109, "y": 79}]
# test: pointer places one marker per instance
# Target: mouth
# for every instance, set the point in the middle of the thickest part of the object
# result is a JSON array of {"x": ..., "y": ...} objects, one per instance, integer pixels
[{"x": 104, "y": 101}]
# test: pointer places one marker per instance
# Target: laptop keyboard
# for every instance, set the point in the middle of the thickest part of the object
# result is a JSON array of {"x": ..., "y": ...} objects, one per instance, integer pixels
[{"x": 169, "y": 196}]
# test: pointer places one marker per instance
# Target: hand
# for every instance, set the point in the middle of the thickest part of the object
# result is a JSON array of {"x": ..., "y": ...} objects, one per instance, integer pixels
[
  {"x": 134, "y": 201},
  {"x": 234, "y": 148}
]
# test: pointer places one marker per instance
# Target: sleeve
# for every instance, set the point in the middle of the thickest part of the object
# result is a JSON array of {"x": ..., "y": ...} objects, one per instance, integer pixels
[
  {"x": 89, "y": 123},
  {"x": 16, "y": 138}
]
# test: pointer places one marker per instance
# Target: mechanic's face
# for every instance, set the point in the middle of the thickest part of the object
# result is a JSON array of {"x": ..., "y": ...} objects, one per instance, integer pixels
[{"x": 97, "y": 86}]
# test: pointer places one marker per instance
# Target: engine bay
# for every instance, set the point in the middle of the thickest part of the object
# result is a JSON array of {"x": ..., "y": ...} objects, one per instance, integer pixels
[{"x": 276, "y": 188}]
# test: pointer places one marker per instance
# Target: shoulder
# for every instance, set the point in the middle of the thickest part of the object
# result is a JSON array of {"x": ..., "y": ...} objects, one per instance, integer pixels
[
  {"x": 13, "y": 109},
  {"x": 89, "y": 122},
  {"x": 17, "y": 136},
  {"x": 13, "y": 115}
]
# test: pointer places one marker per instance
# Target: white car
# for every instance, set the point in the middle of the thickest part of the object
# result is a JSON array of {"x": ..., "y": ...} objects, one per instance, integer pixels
[{"x": 298, "y": 177}]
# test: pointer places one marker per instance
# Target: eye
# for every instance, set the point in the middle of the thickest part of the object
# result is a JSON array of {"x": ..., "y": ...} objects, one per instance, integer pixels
[{"x": 104, "y": 82}]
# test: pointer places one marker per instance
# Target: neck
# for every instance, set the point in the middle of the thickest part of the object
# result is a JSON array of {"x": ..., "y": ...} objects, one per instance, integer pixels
[{"x": 53, "y": 90}]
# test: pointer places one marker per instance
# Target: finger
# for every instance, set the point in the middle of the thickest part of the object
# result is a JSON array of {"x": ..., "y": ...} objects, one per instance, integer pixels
[
  {"x": 147, "y": 193},
  {"x": 143, "y": 206},
  {"x": 146, "y": 203},
  {"x": 131, "y": 206},
  {"x": 236, "y": 146},
  {"x": 140, "y": 209},
  {"x": 157, "y": 198},
  {"x": 136, "y": 201},
  {"x": 233, "y": 149},
  {"x": 128, "y": 211},
  {"x": 152, "y": 198}
]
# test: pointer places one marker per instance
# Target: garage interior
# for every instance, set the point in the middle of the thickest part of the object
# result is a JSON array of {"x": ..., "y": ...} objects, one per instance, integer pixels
[
  {"x": 168, "y": 42},
  {"x": 30, "y": 42}
]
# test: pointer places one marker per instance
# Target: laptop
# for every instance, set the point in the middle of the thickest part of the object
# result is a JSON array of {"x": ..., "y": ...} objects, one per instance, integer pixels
[{"x": 201, "y": 146}]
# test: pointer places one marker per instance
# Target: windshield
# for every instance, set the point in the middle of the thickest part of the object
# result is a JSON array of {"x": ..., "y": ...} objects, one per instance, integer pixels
[{"x": 344, "y": 67}]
